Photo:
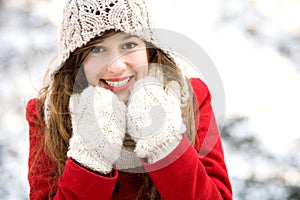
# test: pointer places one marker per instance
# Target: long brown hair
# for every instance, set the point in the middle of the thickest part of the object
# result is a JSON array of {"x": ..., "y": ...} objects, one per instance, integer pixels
[{"x": 58, "y": 130}]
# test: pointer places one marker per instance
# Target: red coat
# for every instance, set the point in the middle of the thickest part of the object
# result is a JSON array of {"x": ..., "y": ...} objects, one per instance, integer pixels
[{"x": 199, "y": 172}]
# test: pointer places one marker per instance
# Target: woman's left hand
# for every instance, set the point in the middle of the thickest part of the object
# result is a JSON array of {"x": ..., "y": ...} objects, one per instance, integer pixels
[{"x": 154, "y": 118}]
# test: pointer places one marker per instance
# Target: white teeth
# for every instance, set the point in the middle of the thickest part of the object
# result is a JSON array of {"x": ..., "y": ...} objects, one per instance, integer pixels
[{"x": 117, "y": 83}]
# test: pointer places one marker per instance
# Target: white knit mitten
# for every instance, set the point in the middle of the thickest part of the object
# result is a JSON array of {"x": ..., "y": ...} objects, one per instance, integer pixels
[
  {"x": 98, "y": 121},
  {"x": 154, "y": 118}
]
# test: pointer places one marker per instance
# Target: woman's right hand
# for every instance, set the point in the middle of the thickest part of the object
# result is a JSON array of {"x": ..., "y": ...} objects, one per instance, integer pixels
[{"x": 98, "y": 122}]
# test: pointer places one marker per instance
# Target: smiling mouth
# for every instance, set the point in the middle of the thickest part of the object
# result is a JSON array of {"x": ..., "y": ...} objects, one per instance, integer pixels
[{"x": 117, "y": 84}]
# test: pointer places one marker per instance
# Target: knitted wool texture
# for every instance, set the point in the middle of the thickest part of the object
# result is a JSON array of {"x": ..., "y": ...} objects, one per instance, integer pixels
[
  {"x": 98, "y": 121},
  {"x": 128, "y": 161},
  {"x": 85, "y": 19},
  {"x": 157, "y": 126}
]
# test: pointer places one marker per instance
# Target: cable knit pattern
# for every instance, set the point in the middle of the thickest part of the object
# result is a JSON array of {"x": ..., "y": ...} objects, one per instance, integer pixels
[
  {"x": 154, "y": 118},
  {"x": 85, "y": 19},
  {"x": 98, "y": 121}
]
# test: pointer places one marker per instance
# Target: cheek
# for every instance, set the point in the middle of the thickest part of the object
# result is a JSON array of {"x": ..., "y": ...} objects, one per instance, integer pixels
[
  {"x": 140, "y": 63},
  {"x": 93, "y": 71}
]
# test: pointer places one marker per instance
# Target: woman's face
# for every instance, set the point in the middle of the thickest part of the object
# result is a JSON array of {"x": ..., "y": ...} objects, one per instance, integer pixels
[{"x": 116, "y": 63}]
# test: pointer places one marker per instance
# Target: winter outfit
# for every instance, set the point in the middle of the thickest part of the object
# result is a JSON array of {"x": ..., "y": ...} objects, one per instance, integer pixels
[
  {"x": 189, "y": 176},
  {"x": 97, "y": 158}
]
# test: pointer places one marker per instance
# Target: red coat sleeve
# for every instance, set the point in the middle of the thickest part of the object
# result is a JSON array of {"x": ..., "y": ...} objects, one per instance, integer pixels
[
  {"x": 75, "y": 183},
  {"x": 197, "y": 172}
]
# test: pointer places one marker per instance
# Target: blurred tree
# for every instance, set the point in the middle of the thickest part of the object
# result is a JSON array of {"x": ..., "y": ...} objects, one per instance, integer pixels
[{"x": 274, "y": 184}]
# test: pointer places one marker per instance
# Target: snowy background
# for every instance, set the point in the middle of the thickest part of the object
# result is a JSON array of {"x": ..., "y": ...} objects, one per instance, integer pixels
[{"x": 255, "y": 46}]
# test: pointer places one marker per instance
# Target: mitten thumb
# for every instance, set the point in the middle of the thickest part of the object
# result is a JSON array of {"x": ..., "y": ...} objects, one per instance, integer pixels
[{"x": 173, "y": 90}]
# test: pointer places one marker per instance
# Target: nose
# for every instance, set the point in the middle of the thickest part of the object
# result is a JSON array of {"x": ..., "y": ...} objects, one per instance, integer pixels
[{"x": 117, "y": 66}]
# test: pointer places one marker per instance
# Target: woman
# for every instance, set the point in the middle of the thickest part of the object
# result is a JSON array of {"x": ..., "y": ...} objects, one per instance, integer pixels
[{"x": 117, "y": 119}]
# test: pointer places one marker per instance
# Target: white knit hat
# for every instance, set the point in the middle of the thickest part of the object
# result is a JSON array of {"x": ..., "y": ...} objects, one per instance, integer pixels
[{"x": 85, "y": 19}]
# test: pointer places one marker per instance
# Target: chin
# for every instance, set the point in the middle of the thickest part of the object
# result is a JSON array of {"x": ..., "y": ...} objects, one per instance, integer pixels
[{"x": 123, "y": 96}]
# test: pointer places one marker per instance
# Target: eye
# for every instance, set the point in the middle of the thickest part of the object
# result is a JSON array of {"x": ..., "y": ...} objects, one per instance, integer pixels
[
  {"x": 98, "y": 49},
  {"x": 129, "y": 45}
]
